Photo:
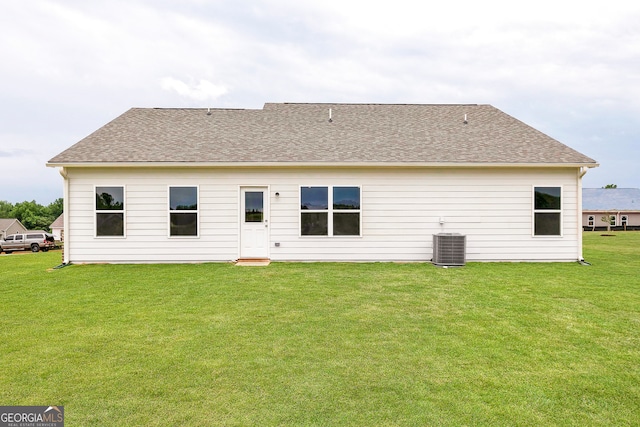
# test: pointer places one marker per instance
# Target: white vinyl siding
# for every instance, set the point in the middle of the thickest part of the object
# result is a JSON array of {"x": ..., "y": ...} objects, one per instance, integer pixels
[{"x": 401, "y": 210}]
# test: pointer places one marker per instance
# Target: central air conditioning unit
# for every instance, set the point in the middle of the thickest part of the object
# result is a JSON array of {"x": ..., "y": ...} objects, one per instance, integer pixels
[{"x": 449, "y": 249}]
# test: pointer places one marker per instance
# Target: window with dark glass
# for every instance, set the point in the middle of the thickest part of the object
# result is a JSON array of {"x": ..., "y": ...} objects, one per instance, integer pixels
[
  {"x": 330, "y": 211},
  {"x": 346, "y": 211},
  {"x": 183, "y": 211},
  {"x": 314, "y": 206},
  {"x": 547, "y": 211},
  {"x": 109, "y": 209},
  {"x": 253, "y": 206}
]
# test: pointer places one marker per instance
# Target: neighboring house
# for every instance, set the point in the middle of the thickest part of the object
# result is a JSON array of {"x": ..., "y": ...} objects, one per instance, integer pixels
[
  {"x": 320, "y": 182},
  {"x": 10, "y": 226},
  {"x": 57, "y": 228},
  {"x": 619, "y": 206}
]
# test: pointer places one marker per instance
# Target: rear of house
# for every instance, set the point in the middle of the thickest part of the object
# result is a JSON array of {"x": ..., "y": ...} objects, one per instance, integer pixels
[{"x": 320, "y": 182}]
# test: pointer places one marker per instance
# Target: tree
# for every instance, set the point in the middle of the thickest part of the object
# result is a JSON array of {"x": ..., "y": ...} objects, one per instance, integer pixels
[
  {"x": 5, "y": 209},
  {"x": 611, "y": 186},
  {"x": 607, "y": 219},
  {"x": 31, "y": 215},
  {"x": 55, "y": 208}
]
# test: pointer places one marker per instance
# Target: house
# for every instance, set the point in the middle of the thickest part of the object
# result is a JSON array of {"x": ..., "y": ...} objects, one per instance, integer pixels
[
  {"x": 57, "y": 228},
  {"x": 320, "y": 182},
  {"x": 618, "y": 206},
  {"x": 10, "y": 226}
]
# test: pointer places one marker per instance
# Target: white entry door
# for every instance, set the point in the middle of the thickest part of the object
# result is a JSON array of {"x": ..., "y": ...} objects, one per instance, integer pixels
[{"x": 254, "y": 222}]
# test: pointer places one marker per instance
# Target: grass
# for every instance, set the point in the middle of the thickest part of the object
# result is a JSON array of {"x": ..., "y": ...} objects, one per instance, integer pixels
[{"x": 327, "y": 344}]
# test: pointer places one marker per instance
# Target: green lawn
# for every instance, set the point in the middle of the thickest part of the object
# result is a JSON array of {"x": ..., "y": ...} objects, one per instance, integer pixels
[{"x": 327, "y": 344}]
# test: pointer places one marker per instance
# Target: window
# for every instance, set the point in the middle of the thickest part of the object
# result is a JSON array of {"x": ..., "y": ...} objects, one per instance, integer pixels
[
  {"x": 612, "y": 220},
  {"x": 623, "y": 220},
  {"x": 109, "y": 211},
  {"x": 253, "y": 206},
  {"x": 547, "y": 211},
  {"x": 591, "y": 220},
  {"x": 330, "y": 211},
  {"x": 183, "y": 211}
]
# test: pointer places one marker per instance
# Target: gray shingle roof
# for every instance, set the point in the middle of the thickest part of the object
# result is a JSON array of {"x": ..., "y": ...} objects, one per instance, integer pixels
[
  {"x": 604, "y": 199},
  {"x": 302, "y": 133}
]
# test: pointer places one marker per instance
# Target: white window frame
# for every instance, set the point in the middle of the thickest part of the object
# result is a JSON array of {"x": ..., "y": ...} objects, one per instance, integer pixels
[
  {"x": 624, "y": 220},
  {"x": 96, "y": 211},
  {"x": 591, "y": 220},
  {"x": 535, "y": 211},
  {"x": 329, "y": 211},
  {"x": 170, "y": 211},
  {"x": 613, "y": 220}
]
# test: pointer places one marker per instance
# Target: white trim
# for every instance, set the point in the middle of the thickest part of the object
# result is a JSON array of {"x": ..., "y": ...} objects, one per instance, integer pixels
[
  {"x": 534, "y": 211},
  {"x": 123, "y": 211},
  {"x": 66, "y": 203},
  {"x": 169, "y": 211},
  {"x": 237, "y": 165},
  {"x": 581, "y": 173}
]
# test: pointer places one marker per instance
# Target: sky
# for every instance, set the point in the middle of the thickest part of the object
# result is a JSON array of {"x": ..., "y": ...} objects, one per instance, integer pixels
[{"x": 571, "y": 69}]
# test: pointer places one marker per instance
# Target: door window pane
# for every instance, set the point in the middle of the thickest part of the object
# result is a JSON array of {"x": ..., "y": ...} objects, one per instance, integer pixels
[{"x": 253, "y": 206}]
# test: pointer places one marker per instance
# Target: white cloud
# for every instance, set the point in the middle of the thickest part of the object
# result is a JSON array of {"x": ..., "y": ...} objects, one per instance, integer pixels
[{"x": 202, "y": 91}]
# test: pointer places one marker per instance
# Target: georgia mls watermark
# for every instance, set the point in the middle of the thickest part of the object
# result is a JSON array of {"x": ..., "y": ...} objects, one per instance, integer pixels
[{"x": 31, "y": 416}]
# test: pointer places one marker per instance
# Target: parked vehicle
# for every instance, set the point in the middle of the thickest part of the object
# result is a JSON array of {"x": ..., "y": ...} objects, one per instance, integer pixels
[{"x": 31, "y": 240}]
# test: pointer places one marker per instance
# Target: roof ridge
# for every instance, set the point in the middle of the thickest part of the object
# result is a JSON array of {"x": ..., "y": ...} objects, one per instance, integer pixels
[{"x": 373, "y": 103}]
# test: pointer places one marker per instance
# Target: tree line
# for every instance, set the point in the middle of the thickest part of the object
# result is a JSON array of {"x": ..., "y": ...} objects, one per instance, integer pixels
[{"x": 32, "y": 215}]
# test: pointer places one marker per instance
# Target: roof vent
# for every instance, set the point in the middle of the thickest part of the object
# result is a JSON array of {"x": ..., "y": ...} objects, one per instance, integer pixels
[
  {"x": 208, "y": 111},
  {"x": 465, "y": 119},
  {"x": 330, "y": 119}
]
